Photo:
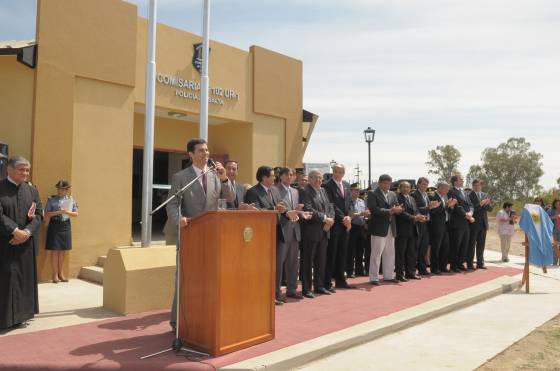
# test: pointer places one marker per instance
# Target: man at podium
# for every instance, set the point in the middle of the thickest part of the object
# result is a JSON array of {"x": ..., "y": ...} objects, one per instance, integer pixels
[{"x": 200, "y": 197}]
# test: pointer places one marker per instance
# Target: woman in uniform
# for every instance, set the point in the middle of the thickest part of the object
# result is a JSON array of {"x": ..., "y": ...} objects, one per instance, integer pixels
[{"x": 59, "y": 209}]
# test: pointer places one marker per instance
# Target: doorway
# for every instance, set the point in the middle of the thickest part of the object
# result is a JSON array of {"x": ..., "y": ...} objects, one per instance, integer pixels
[{"x": 166, "y": 164}]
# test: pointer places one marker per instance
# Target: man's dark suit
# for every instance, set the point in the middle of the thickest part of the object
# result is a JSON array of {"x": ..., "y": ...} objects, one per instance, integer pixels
[
  {"x": 439, "y": 235},
  {"x": 381, "y": 221},
  {"x": 477, "y": 239},
  {"x": 258, "y": 195},
  {"x": 338, "y": 242},
  {"x": 423, "y": 240},
  {"x": 405, "y": 242},
  {"x": 458, "y": 229},
  {"x": 315, "y": 239}
]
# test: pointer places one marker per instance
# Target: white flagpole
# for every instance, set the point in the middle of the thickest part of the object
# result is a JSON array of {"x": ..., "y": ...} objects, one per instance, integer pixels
[
  {"x": 147, "y": 175},
  {"x": 204, "y": 80}
]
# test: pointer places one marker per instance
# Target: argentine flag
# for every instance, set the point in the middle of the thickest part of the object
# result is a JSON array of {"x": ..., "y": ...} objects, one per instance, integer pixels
[{"x": 537, "y": 225}]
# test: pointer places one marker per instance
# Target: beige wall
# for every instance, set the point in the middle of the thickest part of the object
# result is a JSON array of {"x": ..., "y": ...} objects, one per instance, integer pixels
[
  {"x": 16, "y": 105},
  {"x": 278, "y": 91},
  {"x": 83, "y": 128},
  {"x": 101, "y": 168}
]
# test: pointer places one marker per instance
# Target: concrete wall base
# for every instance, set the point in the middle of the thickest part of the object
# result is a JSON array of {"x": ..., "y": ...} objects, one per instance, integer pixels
[{"x": 139, "y": 279}]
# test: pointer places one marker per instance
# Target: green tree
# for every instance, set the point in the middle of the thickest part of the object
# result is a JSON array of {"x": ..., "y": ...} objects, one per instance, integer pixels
[
  {"x": 443, "y": 161},
  {"x": 475, "y": 172},
  {"x": 511, "y": 171}
]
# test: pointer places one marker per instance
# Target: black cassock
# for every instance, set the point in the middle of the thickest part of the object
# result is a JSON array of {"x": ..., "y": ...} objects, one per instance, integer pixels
[{"x": 18, "y": 272}]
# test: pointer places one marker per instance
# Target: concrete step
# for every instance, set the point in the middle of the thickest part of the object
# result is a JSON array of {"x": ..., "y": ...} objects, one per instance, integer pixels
[
  {"x": 93, "y": 273},
  {"x": 101, "y": 261}
]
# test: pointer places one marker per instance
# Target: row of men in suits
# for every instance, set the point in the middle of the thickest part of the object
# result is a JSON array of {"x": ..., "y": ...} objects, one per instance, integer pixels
[{"x": 451, "y": 223}]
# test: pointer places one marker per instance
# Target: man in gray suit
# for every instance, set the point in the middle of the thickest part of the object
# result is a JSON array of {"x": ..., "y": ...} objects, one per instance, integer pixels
[
  {"x": 232, "y": 170},
  {"x": 200, "y": 197},
  {"x": 288, "y": 246}
]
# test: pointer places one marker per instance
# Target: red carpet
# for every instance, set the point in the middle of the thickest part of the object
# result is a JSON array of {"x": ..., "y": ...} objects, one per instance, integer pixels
[{"x": 118, "y": 343}]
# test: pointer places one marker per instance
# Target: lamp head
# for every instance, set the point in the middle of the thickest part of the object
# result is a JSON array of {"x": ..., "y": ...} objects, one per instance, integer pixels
[{"x": 369, "y": 134}]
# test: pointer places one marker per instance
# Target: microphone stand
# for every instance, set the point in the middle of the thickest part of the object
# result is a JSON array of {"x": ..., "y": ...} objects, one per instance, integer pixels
[{"x": 177, "y": 345}]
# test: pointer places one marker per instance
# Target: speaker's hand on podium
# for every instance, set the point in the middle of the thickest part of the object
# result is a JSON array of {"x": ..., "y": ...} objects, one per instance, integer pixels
[{"x": 184, "y": 222}]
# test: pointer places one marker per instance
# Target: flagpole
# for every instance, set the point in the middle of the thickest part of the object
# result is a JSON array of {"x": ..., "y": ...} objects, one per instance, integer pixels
[
  {"x": 147, "y": 174},
  {"x": 204, "y": 80}
]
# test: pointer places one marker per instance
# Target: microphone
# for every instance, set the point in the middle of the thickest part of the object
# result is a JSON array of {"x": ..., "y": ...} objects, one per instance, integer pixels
[{"x": 211, "y": 163}]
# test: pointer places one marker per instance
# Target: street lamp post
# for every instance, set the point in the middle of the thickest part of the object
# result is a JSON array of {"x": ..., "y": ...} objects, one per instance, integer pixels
[{"x": 369, "y": 135}]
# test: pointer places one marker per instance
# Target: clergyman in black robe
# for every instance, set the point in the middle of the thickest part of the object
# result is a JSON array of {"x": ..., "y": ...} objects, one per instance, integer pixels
[{"x": 21, "y": 214}]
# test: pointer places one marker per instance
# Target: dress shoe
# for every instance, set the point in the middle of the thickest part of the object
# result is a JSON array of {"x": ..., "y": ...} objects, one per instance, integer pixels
[
  {"x": 424, "y": 272},
  {"x": 456, "y": 270},
  {"x": 332, "y": 290},
  {"x": 462, "y": 268},
  {"x": 414, "y": 277},
  {"x": 278, "y": 302},
  {"x": 437, "y": 273},
  {"x": 392, "y": 280},
  {"x": 374, "y": 283},
  {"x": 445, "y": 270},
  {"x": 309, "y": 295},
  {"x": 470, "y": 269},
  {"x": 322, "y": 290},
  {"x": 401, "y": 279},
  {"x": 294, "y": 295},
  {"x": 481, "y": 267}
]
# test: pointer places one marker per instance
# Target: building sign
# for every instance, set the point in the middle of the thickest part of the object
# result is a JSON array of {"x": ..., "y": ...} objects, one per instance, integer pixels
[
  {"x": 190, "y": 89},
  {"x": 197, "y": 56}
]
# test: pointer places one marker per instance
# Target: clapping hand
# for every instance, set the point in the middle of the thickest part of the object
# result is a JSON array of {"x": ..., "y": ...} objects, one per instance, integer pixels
[
  {"x": 434, "y": 204},
  {"x": 397, "y": 209},
  {"x": 245, "y": 206},
  {"x": 347, "y": 221},
  {"x": 451, "y": 202},
  {"x": 328, "y": 224},
  {"x": 281, "y": 207},
  {"x": 307, "y": 215},
  {"x": 293, "y": 215}
]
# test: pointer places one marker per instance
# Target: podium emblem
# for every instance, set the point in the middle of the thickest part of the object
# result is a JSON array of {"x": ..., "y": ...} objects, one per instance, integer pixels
[{"x": 248, "y": 234}]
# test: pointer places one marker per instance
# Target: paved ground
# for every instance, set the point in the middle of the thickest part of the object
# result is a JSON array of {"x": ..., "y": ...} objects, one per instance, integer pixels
[
  {"x": 66, "y": 304},
  {"x": 462, "y": 340}
]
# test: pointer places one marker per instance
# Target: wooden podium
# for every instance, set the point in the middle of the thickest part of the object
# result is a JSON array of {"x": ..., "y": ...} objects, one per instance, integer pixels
[{"x": 227, "y": 280}]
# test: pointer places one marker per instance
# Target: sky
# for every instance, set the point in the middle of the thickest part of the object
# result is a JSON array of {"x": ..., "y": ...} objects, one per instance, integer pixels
[{"x": 422, "y": 73}]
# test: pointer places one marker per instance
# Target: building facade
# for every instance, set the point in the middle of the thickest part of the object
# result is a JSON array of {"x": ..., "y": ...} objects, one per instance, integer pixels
[{"x": 77, "y": 111}]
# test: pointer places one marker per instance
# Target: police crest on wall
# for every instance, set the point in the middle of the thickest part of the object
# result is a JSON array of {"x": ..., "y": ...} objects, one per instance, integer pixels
[{"x": 197, "y": 56}]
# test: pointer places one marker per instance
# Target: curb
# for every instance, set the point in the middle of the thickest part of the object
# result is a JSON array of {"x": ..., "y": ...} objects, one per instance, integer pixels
[{"x": 303, "y": 353}]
